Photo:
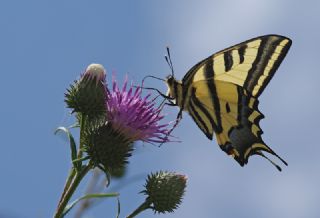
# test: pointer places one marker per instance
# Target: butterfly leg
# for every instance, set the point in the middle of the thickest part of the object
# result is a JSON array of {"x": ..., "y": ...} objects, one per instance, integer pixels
[
  {"x": 171, "y": 103},
  {"x": 157, "y": 90},
  {"x": 179, "y": 117}
]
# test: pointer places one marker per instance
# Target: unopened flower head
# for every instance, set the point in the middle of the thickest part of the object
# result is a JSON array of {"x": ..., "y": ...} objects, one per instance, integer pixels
[
  {"x": 87, "y": 95},
  {"x": 108, "y": 149},
  {"x": 165, "y": 190}
]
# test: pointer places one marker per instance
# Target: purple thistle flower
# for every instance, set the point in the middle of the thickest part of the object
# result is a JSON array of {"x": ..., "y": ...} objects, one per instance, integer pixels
[
  {"x": 127, "y": 117},
  {"x": 134, "y": 116}
]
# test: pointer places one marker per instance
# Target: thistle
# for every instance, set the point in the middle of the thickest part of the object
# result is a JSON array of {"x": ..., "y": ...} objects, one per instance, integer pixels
[
  {"x": 129, "y": 118},
  {"x": 164, "y": 191},
  {"x": 87, "y": 95},
  {"x": 110, "y": 122}
]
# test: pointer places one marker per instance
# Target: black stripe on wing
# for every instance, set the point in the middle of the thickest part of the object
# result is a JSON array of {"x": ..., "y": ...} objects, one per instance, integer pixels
[
  {"x": 275, "y": 66},
  {"x": 193, "y": 110},
  {"x": 228, "y": 60},
  {"x": 209, "y": 73},
  {"x": 265, "y": 52},
  {"x": 198, "y": 106},
  {"x": 241, "y": 51}
]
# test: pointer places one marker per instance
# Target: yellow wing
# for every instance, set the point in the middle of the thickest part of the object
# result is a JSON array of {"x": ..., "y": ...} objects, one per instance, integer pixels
[
  {"x": 223, "y": 91},
  {"x": 234, "y": 118},
  {"x": 250, "y": 64}
]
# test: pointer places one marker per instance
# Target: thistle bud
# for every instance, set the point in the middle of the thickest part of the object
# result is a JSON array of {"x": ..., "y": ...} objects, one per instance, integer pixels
[
  {"x": 107, "y": 147},
  {"x": 165, "y": 191},
  {"x": 87, "y": 95}
]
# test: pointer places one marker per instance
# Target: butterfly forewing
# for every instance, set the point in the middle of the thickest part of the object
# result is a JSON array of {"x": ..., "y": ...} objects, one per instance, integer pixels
[{"x": 250, "y": 64}]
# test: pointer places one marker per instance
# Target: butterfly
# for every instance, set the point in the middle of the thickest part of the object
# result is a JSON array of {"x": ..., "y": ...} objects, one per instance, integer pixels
[{"x": 221, "y": 94}]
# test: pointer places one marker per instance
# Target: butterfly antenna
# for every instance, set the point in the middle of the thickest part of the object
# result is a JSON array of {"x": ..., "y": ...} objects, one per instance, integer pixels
[{"x": 168, "y": 59}]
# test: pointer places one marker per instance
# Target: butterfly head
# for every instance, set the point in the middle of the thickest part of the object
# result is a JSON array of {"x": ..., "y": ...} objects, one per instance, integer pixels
[
  {"x": 170, "y": 81},
  {"x": 175, "y": 90}
]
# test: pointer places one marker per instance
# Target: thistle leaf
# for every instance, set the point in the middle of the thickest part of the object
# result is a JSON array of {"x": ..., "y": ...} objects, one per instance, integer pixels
[
  {"x": 73, "y": 146},
  {"x": 118, "y": 214},
  {"x": 88, "y": 196}
]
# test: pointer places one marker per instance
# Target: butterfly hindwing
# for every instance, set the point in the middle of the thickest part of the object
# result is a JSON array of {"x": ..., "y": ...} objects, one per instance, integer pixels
[{"x": 237, "y": 128}]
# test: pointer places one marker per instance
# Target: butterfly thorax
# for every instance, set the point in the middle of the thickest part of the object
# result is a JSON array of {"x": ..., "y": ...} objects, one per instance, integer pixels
[{"x": 176, "y": 91}]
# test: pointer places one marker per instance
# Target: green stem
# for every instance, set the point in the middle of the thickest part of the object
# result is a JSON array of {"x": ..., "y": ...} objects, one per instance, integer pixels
[
  {"x": 70, "y": 189},
  {"x": 82, "y": 125},
  {"x": 70, "y": 178},
  {"x": 142, "y": 207}
]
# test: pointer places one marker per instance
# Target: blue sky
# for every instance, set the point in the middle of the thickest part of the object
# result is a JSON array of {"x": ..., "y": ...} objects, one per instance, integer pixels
[{"x": 45, "y": 45}]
